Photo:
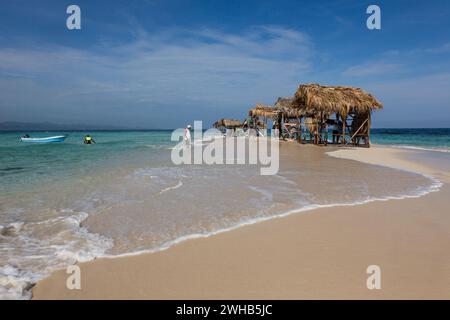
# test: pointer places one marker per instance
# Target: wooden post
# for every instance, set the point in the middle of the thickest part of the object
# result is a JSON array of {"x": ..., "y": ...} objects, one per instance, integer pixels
[
  {"x": 302, "y": 137},
  {"x": 279, "y": 126},
  {"x": 368, "y": 129},
  {"x": 344, "y": 120},
  {"x": 321, "y": 127},
  {"x": 316, "y": 130},
  {"x": 336, "y": 138}
]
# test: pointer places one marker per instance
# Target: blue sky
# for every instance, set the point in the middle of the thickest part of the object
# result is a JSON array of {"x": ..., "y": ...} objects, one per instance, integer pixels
[{"x": 162, "y": 64}]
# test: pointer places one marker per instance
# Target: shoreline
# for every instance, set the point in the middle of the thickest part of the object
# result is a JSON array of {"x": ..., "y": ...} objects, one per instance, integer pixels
[
  {"x": 52, "y": 284},
  {"x": 393, "y": 157}
]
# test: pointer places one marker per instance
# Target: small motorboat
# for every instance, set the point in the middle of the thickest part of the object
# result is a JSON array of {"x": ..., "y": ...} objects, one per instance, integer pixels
[{"x": 44, "y": 140}]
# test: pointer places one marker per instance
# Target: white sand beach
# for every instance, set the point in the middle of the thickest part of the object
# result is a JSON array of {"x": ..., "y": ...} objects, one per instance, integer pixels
[{"x": 317, "y": 254}]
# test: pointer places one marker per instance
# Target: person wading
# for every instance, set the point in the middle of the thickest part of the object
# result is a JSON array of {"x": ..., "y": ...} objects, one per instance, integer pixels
[
  {"x": 88, "y": 140},
  {"x": 187, "y": 135}
]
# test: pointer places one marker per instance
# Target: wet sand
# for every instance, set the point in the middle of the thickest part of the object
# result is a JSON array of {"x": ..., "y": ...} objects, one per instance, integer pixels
[{"x": 319, "y": 254}]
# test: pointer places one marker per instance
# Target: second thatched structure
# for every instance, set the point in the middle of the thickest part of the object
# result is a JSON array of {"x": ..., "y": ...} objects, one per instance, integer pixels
[
  {"x": 285, "y": 118},
  {"x": 227, "y": 124}
]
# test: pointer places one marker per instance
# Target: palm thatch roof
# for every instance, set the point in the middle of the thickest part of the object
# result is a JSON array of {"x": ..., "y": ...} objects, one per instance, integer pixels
[
  {"x": 263, "y": 111},
  {"x": 284, "y": 102},
  {"x": 227, "y": 123},
  {"x": 284, "y": 105},
  {"x": 314, "y": 98}
]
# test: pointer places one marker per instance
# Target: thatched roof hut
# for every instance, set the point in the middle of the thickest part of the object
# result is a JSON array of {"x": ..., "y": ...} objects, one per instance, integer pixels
[
  {"x": 227, "y": 123},
  {"x": 314, "y": 98},
  {"x": 263, "y": 111},
  {"x": 320, "y": 102},
  {"x": 284, "y": 105}
]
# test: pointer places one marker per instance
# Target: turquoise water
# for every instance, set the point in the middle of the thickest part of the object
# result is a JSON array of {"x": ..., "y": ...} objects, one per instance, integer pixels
[
  {"x": 48, "y": 190},
  {"x": 24, "y": 165},
  {"x": 433, "y": 139},
  {"x": 63, "y": 203}
]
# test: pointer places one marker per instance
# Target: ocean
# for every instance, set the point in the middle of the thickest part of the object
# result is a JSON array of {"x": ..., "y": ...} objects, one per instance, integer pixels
[
  {"x": 68, "y": 202},
  {"x": 436, "y": 139}
]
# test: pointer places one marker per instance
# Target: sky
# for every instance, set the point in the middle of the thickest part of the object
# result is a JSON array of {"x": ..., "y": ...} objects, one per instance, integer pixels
[{"x": 163, "y": 64}]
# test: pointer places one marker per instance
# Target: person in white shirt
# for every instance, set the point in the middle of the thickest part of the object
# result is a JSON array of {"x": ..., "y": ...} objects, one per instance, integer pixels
[{"x": 187, "y": 135}]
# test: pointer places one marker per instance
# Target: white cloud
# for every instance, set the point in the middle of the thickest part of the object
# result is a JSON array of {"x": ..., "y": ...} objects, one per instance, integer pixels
[
  {"x": 177, "y": 67},
  {"x": 372, "y": 68},
  {"x": 445, "y": 48},
  {"x": 204, "y": 73}
]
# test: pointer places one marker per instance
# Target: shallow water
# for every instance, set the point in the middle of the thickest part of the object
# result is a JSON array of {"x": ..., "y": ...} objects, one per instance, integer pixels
[{"x": 62, "y": 203}]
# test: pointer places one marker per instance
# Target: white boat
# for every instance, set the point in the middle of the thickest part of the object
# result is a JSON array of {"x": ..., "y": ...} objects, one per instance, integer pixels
[{"x": 44, "y": 140}]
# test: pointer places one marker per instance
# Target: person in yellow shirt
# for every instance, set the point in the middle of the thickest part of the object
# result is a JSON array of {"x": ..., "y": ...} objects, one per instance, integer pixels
[{"x": 88, "y": 140}]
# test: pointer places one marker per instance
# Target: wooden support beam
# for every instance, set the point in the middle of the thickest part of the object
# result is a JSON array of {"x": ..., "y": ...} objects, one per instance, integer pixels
[
  {"x": 360, "y": 127},
  {"x": 344, "y": 122}
]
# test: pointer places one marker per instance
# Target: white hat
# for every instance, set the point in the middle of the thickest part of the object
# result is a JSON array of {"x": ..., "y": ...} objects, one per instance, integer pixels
[{"x": 189, "y": 126}]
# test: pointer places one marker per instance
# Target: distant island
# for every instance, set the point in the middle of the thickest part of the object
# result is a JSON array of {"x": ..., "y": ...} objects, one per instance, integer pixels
[{"x": 48, "y": 126}]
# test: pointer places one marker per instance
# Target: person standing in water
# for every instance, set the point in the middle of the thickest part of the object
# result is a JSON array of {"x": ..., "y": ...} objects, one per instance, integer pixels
[
  {"x": 88, "y": 140},
  {"x": 187, "y": 135}
]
